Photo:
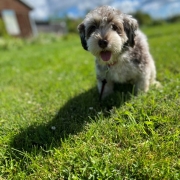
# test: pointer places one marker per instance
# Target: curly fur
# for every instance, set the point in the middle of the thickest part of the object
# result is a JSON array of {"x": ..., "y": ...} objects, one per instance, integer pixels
[{"x": 121, "y": 49}]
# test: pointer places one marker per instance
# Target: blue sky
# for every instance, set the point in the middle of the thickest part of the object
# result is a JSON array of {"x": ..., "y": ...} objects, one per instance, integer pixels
[{"x": 77, "y": 8}]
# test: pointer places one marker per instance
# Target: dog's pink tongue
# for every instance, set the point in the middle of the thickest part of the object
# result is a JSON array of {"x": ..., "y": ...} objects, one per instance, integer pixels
[{"x": 105, "y": 55}]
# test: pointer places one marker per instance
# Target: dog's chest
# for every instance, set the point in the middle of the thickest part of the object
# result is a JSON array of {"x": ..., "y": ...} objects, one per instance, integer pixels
[{"x": 121, "y": 72}]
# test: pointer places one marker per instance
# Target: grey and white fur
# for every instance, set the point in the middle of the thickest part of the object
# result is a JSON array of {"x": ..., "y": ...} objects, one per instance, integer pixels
[{"x": 121, "y": 49}]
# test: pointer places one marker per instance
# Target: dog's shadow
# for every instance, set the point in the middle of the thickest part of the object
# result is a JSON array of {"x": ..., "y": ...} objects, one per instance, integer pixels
[{"x": 69, "y": 120}]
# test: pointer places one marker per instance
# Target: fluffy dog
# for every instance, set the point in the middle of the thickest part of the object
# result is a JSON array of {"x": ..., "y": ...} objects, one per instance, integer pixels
[{"x": 121, "y": 50}]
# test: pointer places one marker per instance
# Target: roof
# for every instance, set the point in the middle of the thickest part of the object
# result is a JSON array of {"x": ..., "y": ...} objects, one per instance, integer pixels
[{"x": 25, "y": 4}]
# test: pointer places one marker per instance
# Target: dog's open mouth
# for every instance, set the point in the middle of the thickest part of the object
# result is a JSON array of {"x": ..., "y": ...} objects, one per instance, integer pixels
[{"x": 105, "y": 55}]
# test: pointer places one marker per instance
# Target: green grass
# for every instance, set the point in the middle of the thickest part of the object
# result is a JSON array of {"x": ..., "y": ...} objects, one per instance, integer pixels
[{"x": 52, "y": 125}]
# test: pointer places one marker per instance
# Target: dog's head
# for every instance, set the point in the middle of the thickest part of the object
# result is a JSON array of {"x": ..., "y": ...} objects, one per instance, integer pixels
[{"x": 105, "y": 31}]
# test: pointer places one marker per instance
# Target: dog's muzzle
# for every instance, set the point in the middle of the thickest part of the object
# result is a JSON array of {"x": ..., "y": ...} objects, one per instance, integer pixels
[
  {"x": 105, "y": 55},
  {"x": 102, "y": 43}
]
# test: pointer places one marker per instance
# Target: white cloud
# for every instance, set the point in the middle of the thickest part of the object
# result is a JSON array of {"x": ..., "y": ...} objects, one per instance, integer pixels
[
  {"x": 126, "y": 6},
  {"x": 162, "y": 8},
  {"x": 90, "y": 4},
  {"x": 40, "y": 8},
  {"x": 152, "y": 6},
  {"x": 44, "y": 8}
]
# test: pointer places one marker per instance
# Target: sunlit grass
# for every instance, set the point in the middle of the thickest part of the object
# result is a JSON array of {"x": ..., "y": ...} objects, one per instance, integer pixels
[{"x": 52, "y": 125}]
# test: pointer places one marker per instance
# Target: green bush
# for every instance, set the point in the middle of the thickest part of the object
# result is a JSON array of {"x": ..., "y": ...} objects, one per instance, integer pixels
[
  {"x": 174, "y": 19},
  {"x": 3, "y": 31},
  {"x": 158, "y": 22},
  {"x": 11, "y": 43},
  {"x": 143, "y": 18},
  {"x": 72, "y": 24}
]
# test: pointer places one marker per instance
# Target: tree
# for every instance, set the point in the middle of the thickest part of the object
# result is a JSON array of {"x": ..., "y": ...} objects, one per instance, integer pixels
[{"x": 143, "y": 18}]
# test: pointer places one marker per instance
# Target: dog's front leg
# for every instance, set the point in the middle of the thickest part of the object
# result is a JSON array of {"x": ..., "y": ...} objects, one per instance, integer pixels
[
  {"x": 142, "y": 86},
  {"x": 105, "y": 88}
]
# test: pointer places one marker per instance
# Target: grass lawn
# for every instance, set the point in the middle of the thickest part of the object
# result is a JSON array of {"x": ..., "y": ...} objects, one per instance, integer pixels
[{"x": 52, "y": 125}]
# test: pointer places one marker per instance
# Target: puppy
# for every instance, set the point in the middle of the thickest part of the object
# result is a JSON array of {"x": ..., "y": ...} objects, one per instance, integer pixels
[{"x": 120, "y": 48}]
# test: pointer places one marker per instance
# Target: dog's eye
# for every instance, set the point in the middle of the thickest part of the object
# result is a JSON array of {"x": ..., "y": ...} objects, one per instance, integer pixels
[
  {"x": 114, "y": 27},
  {"x": 90, "y": 30}
]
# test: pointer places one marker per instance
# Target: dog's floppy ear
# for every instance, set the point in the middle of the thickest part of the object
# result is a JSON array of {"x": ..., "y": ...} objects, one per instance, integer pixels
[
  {"x": 130, "y": 26},
  {"x": 81, "y": 29}
]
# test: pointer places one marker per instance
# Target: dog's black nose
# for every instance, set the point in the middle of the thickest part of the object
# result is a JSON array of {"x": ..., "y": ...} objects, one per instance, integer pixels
[{"x": 103, "y": 43}]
